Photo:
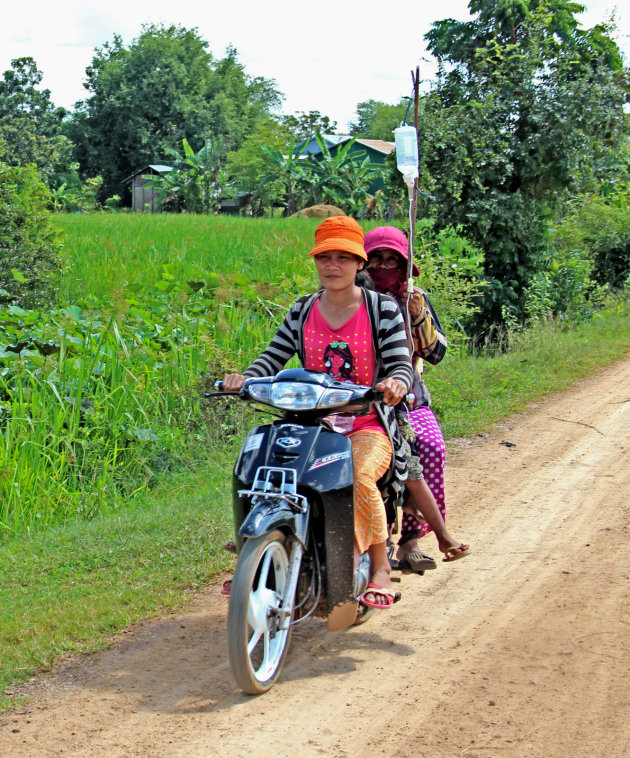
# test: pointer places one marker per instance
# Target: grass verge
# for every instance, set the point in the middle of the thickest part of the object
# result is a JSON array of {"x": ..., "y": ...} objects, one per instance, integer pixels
[{"x": 69, "y": 589}]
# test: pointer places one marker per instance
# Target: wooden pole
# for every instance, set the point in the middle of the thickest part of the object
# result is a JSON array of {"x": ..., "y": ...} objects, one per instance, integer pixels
[
  {"x": 414, "y": 197},
  {"x": 413, "y": 210}
]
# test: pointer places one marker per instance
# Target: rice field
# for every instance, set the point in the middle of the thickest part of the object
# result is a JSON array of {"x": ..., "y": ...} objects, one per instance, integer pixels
[
  {"x": 100, "y": 396},
  {"x": 107, "y": 250}
]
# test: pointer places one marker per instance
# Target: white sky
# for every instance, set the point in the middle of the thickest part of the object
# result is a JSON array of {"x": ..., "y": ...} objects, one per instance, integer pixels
[{"x": 323, "y": 56}]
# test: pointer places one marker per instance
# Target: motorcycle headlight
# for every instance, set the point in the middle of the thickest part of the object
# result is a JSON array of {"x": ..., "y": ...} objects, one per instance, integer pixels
[
  {"x": 298, "y": 396},
  {"x": 295, "y": 396},
  {"x": 334, "y": 397},
  {"x": 260, "y": 391}
]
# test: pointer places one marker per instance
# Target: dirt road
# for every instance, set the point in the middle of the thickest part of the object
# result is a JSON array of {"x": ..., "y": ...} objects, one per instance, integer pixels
[{"x": 520, "y": 649}]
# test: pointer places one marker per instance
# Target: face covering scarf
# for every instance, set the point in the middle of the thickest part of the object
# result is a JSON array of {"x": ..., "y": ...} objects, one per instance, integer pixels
[{"x": 388, "y": 280}]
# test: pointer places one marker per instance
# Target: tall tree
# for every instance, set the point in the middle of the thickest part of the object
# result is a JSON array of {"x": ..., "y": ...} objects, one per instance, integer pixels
[
  {"x": 525, "y": 100},
  {"x": 302, "y": 126},
  {"x": 162, "y": 88},
  {"x": 246, "y": 167},
  {"x": 377, "y": 120},
  {"x": 30, "y": 124}
]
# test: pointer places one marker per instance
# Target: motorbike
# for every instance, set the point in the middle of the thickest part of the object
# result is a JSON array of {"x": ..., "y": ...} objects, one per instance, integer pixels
[{"x": 293, "y": 507}]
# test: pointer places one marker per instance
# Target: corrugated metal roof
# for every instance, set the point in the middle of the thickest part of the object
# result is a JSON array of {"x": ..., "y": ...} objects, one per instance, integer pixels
[
  {"x": 160, "y": 168},
  {"x": 335, "y": 139},
  {"x": 332, "y": 140},
  {"x": 378, "y": 144}
]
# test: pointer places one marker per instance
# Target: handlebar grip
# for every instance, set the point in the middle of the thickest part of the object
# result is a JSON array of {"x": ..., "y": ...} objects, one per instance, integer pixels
[
  {"x": 218, "y": 385},
  {"x": 410, "y": 398}
]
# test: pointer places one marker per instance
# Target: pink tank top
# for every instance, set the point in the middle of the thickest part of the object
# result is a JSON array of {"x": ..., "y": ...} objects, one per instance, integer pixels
[{"x": 347, "y": 354}]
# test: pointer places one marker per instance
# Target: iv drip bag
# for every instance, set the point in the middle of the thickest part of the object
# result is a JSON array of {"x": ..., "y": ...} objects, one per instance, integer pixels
[{"x": 406, "y": 139}]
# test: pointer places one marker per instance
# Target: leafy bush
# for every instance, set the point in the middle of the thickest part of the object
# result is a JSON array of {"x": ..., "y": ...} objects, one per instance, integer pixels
[
  {"x": 598, "y": 230},
  {"x": 451, "y": 272},
  {"x": 96, "y": 405},
  {"x": 565, "y": 290},
  {"x": 30, "y": 257}
]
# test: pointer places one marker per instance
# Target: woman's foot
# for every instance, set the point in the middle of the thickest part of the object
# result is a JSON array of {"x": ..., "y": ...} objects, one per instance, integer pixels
[
  {"x": 380, "y": 592},
  {"x": 415, "y": 559},
  {"x": 455, "y": 551},
  {"x": 378, "y": 597}
]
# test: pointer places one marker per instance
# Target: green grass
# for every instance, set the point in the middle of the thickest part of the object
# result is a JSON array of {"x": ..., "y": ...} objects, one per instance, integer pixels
[
  {"x": 106, "y": 250},
  {"x": 469, "y": 393},
  {"x": 69, "y": 589}
]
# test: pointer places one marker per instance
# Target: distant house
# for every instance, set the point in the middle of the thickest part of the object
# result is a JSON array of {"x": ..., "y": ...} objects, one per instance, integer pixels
[
  {"x": 376, "y": 150},
  {"x": 145, "y": 198},
  {"x": 236, "y": 206}
]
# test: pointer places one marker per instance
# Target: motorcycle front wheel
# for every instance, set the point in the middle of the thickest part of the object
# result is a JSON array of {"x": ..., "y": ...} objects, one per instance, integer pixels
[{"x": 258, "y": 634}]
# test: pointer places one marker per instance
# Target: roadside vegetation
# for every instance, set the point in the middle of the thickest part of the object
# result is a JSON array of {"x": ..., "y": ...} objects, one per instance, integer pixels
[{"x": 114, "y": 471}]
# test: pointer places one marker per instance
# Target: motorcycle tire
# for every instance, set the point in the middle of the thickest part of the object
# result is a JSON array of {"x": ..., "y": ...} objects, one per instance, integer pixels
[
  {"x": 363, "y": 614},
  {"x": 258, "y": 637}
]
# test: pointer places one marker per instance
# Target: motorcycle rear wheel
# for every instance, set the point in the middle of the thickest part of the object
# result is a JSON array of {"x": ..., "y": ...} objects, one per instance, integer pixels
[{"x": 258, "y": 636}]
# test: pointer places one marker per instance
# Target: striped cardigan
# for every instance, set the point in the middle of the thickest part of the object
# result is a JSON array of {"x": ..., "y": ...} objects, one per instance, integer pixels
[{"x": 392, "y": 360}]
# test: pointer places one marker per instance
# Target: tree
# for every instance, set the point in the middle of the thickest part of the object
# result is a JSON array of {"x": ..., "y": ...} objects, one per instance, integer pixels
[
  {"x": 341, "y": 178},
  {"x": 163, "y": 88},
  {"x": 193, "y": 182},
  {"x": 285, "y": 169},
  {"x": 302, "y": 126},
  {"x": 524, "y": 103},
  {"x": 377, "y": 120},
  {"x": 246, "y": 167},
  {"x": 30, "y": 125}
]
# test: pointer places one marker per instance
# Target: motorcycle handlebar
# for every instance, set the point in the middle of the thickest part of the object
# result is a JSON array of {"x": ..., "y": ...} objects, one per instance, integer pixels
[
  {"x": 409, "y": 398},
  {"x": 220, "y": 391}
]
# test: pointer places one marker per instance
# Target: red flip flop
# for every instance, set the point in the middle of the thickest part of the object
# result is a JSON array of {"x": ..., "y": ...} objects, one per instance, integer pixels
[
  {"x": 376, "y": 589},
  {"x": 227, "y": 587},
  {"x": 455, "y": 553}
]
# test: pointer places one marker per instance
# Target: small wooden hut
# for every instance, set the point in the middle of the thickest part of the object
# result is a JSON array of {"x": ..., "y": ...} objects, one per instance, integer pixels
[{"x": 144, "y": 198}]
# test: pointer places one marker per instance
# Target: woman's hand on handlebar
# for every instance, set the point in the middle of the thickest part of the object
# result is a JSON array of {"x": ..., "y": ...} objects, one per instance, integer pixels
[
  {"x": 393, "y": 389},
  {"x": 233, "y": 382}
]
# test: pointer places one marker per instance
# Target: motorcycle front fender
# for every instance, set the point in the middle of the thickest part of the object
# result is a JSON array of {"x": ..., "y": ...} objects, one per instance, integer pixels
[{"x": 267, "y": 516}]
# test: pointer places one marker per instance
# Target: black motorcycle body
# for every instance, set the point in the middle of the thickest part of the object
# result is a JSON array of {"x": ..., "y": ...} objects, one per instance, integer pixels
[{"x": 293, "y": 502}]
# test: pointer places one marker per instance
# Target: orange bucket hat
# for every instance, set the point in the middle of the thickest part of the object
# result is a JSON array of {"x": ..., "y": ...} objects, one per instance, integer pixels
[{"x": 339, "y": 233}]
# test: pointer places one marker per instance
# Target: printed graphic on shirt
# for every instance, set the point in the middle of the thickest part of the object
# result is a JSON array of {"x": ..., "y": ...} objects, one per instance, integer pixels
[{"x": 339, "y": 362}]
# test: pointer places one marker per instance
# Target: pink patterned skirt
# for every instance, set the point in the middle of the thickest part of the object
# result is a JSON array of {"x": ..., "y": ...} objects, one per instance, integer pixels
[{"x": 431, "y": 450}]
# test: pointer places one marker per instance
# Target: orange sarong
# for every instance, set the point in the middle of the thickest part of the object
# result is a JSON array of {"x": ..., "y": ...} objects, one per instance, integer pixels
[{"x": 371, "y": 455}]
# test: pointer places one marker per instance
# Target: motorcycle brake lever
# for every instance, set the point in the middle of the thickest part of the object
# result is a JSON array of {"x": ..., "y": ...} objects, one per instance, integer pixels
[{"x": 223, "y": 393}]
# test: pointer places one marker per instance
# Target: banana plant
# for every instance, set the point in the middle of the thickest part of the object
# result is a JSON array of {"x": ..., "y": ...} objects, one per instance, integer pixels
[
  {"x": 343, "y": 178},
  {"x": 194, "y": 178},
  {"x": 288, "y": 170}
]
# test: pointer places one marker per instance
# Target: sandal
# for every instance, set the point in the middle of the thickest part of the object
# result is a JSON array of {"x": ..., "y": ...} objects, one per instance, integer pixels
[
  {"x": 415, "y": 562},
  {"x": 455, "y": 553},
  {"x": 376, "y": 589},
  {"x": 227, "y": 587}
]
